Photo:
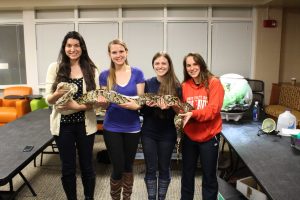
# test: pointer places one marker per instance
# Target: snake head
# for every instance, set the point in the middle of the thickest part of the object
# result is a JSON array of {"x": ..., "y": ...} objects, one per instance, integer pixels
[{"x": 71, "y": 89}]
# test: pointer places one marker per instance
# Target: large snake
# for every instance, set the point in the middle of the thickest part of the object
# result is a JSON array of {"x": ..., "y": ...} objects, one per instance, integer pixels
[{"x": 91, "y": 97}]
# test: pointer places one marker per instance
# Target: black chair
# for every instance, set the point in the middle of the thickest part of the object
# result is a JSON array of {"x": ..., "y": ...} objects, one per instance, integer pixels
[{"x": 258, "y": 91}]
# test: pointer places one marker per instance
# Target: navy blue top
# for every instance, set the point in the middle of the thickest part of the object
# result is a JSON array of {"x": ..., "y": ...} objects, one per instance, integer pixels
[
  {"x": 158, "y": 124},
  {"x": 118, "y": 119}
]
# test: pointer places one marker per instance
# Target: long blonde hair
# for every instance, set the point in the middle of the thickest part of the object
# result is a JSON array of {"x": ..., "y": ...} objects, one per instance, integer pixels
[{"x": 111, "y": 79}]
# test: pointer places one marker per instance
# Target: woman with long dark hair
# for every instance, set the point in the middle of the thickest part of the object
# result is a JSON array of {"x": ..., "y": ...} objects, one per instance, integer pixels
[
  {"x": 75, "y": 131},
  {"x": 202, "y": 127}
]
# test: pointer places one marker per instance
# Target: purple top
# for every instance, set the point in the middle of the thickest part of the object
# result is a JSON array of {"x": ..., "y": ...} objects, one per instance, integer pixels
[{"x": 118, "y": 119}]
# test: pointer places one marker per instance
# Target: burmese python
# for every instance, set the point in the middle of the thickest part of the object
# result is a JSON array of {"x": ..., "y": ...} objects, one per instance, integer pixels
[{"x": 114, "y": 97}]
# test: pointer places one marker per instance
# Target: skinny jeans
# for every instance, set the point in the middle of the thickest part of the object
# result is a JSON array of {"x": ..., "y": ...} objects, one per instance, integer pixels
[
  {"x": 157, "y": 154},
  {"x": 72, "y": 138},
  {"x": 121, "y": 148}
]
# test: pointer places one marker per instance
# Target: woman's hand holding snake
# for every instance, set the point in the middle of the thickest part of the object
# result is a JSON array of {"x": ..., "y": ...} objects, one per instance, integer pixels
[
  {"x": 162, "y": 104},
  {"x": 59, "y": 92},
  {"x": 186, "y": 117},
  {"x": 71, "y": 105},
  {"x": 130, "y": 105},
  {"x": 102, "y": 102}
]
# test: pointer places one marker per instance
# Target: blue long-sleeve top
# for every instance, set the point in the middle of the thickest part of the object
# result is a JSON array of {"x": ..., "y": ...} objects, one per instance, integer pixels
[{"x": 158, "y": 124}]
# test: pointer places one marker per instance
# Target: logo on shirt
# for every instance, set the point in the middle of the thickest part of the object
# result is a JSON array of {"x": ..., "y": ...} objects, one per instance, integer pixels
[{"x": 198, "y": 102}]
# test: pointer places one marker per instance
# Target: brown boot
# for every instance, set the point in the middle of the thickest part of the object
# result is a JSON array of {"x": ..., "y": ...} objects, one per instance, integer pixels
[
  {"x": 115, "y": 189},
  {"x": 127, "y": 185}
]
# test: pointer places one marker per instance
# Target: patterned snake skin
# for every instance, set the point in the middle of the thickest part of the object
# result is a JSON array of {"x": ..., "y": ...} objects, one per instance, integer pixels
[{"x": 114, "y": 97}]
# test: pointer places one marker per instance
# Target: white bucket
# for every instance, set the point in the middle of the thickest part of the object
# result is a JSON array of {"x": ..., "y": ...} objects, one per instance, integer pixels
[{"x": 286, "y": 120}]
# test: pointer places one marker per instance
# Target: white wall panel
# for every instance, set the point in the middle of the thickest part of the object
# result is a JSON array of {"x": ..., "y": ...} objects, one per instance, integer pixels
[
  {"x": 49, "y": 39},
  {"x": 144, "y": 39},
  {"x": 231, "y": 48},
  {"x": 183, "y": 38},
  {"x": 97, "y": 36}
]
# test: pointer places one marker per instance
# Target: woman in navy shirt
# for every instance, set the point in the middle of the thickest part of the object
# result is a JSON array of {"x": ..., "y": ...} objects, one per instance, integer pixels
[
  {"x": 158, "y": 130},
  {"x": 121, "y": 125}
]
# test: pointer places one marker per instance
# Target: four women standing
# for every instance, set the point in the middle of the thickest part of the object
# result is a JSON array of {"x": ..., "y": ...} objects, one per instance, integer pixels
[{"x": 122, "y": 123}]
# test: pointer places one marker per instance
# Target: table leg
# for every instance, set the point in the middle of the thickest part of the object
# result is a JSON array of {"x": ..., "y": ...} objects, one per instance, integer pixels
[{"x": 28, "y": 184}]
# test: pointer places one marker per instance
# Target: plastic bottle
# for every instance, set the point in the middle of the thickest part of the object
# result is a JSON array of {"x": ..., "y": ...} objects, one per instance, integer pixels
[
  {"x": 255, "y": 112},
  {"x": 286, "y": 120}
]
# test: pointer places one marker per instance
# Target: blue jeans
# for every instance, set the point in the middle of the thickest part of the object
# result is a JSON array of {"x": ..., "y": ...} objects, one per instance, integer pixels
[
  {"x": 157, "y": 156},
  {"x": 71, "y": 137},
  {"x": 208, "y": 152}
]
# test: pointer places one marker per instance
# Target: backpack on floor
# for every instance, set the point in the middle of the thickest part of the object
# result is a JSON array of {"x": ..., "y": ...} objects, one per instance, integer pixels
[{"x": 103, "y": 157}]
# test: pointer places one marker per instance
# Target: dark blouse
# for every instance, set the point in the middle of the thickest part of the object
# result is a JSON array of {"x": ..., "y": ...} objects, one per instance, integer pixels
[
  {"x": 157, "y": 123},
  {"x": 78, "y": 116}
]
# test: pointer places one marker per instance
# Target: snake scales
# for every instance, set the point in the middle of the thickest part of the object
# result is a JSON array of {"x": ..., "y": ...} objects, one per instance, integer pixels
[{"x": 114, "y": 97}]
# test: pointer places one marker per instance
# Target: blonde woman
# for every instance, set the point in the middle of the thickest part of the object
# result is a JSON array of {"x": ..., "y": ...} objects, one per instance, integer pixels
[{"x": 121, "y": 125}]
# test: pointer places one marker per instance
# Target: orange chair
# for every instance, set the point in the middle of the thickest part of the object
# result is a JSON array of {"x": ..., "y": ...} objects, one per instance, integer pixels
[{"x": 14, "y": 104}]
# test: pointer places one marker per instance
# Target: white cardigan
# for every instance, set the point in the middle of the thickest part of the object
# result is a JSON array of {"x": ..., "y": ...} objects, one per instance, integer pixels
[{"x": 90, "y": 115}]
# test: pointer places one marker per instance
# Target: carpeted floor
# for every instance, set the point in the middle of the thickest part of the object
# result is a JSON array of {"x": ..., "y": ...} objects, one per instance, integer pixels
[{"x": 46, "y": 180}]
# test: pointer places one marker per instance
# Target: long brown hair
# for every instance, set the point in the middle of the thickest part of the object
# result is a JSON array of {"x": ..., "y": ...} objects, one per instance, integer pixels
[
  {"x": 111, "y": 79},
  {"x": 204, "y": 74},
  {"x": 170, "y": 81},
  {"x": 86, "y": 64}
]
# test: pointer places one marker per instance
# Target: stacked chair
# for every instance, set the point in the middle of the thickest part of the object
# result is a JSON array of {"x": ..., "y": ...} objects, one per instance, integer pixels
[{"x": 14, "y": 103}]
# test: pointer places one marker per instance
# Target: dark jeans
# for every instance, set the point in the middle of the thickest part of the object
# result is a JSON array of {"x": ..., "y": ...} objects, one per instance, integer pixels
[
  {"x": 209, "y": 152},
  {"x": 71, "y": 137},
  {"x": 157, "y": 156},
  {"x": 121, "y": 148}
]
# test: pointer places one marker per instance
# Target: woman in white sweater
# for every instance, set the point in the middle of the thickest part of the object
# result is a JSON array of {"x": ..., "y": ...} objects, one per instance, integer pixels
[{"x": 76, "y": 130}]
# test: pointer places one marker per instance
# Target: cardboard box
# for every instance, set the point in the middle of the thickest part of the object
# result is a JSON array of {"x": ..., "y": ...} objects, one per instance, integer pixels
[{"x": 250, "y": 189}]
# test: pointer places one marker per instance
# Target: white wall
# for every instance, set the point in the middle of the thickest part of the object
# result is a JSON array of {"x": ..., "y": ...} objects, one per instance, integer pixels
[{"x": 149, "y": 30}]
